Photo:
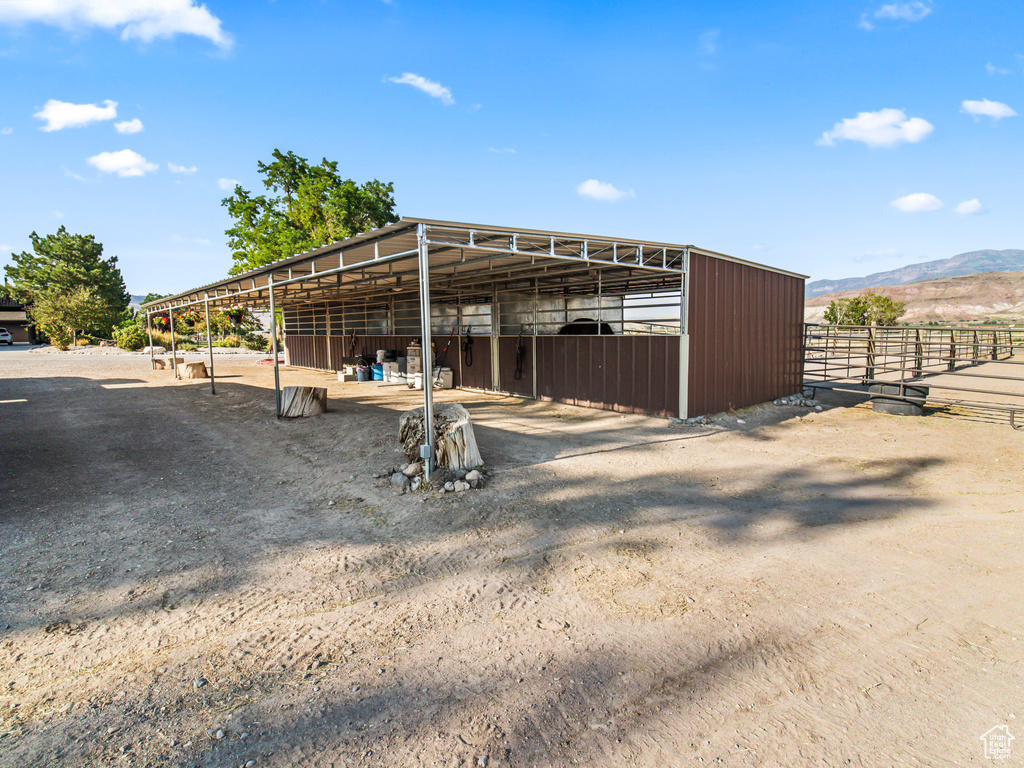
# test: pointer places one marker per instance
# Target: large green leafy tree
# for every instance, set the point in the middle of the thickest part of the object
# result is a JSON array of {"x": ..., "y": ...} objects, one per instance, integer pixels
[
  {"x": 311, "y": 206},
  {"x": 62, "y": 263},
  {"x": 866, "y": 309}
]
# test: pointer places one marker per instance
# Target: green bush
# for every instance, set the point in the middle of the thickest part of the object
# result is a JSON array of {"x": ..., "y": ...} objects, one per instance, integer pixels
[
  {"x": 130, "y": 337},
  {"x": 187, "y": 346},
  {"x": 255, "y": 342},
  {"x": 228, "y": 341}
]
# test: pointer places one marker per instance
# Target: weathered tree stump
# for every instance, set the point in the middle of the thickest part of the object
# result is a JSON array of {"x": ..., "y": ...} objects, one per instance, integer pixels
[
  {"x": 454, "y": 439},
  {"x": 164, "y": 363},
  {"x": 195, "y": 370},
  {"x": 303, "y": 401}
]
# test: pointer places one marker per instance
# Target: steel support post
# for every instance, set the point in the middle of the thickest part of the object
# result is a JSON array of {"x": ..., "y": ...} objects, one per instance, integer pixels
[
  {"x": 533, "y": 360},
  {"x": 684, "y": 338},
  {"x": 327, "y": 331},
  {"x": 426, "y": 451},
  {"x": 209, "y": 341},
  {"x": 174, "y": 353},
  {"x": 495, "y": 342},
  {"x": 149, "y": 330},
  {"x": 273, "y": 346}
]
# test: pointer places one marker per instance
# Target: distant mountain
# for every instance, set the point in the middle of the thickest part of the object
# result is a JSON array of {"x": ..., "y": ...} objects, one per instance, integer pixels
[
  {"x": 1009, "y": 260},
  {"x": 985, "y": 296}
]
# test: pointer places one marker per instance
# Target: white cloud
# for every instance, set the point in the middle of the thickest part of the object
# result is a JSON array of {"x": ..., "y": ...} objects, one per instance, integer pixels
[
  {"x": 124, "y": 163},
  {"x": 186, "y": 169},
  {"x": 994, "y": 109},
  {"x": 886, "y": 253},
  {"x": 913, "y": 11},
  {"x": 143, "y": 20},
  {"x": 227, "y": 184},
  {"x": 917, "y": 201},
  {"x": 436, "y": 90},
  {"x": 969, "y": 207},
  {"x": 708, "y": 42},
  {"x": 5, "y": 247},
  {"x": 63, "y": 114},
  {"x": 992, "y": 69},
  {"x": 884, "y": 128},
  {"x": 602, "y": 190},
  {"x": 6, "y": 131},
  {"x": 502, "y": 151},
  {"x": 129, "y": 126},
  {"x": 72, "y": 175}
]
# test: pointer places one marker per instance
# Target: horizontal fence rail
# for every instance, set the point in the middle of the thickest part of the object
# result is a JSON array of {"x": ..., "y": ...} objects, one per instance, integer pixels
[{"x": 962, "y": 366}]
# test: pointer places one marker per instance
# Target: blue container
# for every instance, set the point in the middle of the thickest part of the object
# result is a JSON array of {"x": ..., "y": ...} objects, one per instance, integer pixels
[
  {"x": 378, "y": 371},
  {"x": 362, "y": 373}
]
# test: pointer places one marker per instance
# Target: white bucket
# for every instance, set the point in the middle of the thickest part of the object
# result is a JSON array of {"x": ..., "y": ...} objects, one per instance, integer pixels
[{"x": 380, "y": 355}]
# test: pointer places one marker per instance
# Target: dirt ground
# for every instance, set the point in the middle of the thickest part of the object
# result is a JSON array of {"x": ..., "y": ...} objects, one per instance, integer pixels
[{"x": 187, "y": 581}]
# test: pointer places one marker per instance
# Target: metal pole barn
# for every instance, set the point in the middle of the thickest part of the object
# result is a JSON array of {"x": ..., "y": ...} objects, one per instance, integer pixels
[
  {"x": 426, "y": 451},
  {"x": 209, "y": 341}
]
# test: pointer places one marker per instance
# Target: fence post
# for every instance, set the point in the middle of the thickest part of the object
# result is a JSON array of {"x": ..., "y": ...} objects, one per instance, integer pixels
[
  {"x": 952, "y": 350},
  {"x": 977, "y": 348},
  {"x": 995, "y": 345},
  {"x": 869, "y": 370},
  {"x": 918, "y": 354}
]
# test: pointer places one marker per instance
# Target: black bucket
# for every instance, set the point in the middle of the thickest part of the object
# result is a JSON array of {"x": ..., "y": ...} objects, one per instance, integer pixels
[{"x": 899, "y": 400}]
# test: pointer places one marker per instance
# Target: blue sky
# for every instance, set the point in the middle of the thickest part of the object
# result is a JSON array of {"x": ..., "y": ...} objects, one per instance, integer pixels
[{"x": 834, "y": 139}]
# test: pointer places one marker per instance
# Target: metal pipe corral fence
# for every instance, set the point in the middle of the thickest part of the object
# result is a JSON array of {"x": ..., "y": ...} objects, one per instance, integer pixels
[{"x": 966, "y": 366}]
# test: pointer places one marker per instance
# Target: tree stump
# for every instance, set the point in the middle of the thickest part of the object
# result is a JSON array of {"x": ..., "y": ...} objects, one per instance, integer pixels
[
  {"x": 195, "y": 370},
  {"x": 164, "y": 363},
  {"x": 303, "y": 401},
  {"x": 454, "y": 439}
]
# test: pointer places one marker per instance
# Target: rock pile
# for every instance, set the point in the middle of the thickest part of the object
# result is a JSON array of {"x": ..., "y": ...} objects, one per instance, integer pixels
[
  {"x": 410, "y": 478},
  {"x": 803, "y": 400}
]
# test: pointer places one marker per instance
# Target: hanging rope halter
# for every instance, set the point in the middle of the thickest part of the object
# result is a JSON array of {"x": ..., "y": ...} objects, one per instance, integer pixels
[
  {"x": 467, "y": 348},
  {"x": 520, "y": 355}
]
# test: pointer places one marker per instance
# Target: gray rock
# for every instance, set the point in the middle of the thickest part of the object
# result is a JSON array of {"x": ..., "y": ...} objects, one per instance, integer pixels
[
  {"x": 416, "y": 483},
  {"x": 817, "y": 408},
  {"x": 200, "y": 683},
  {"x": 460, "y": 474},
  {"x": 250, "y": 763},
  {"x": 154, "y": 350},
  {"x": 411, "y": 470},
  {"x": 461, "y": 485},
  {"x": 400, "y": 480},
  {"x": 674, "y": 420},
  {"x": 449, "y": 487},
  {"x": 473, "y": 477},
  {"x": 482, "y": 760}
]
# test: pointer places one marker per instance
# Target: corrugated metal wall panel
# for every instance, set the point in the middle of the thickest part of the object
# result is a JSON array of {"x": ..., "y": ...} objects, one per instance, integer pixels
[
  {"x": 631, "y": 374},
  {"x": 507, "y": 365},
  {"x": 477, "y": 375},
  {"x": 745, "y": 333}
]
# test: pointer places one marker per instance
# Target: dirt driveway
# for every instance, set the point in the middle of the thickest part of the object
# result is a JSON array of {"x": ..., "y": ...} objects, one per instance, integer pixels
[{"x": 186, "y": 581}]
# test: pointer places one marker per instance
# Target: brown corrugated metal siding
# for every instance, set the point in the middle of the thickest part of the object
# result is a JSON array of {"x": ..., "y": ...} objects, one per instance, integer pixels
[{"x": 746, "y": 328}]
